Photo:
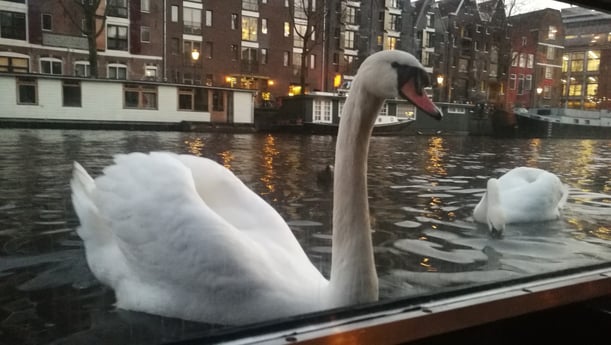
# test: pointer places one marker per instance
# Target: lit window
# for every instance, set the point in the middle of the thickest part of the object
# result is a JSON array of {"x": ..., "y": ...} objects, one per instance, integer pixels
[
  {"x": 145, "y": 5},
  {"x": 174, "y": 14},
  {"x": 234, "y": 21},
  {"x": 192, "y": 21},
  {"x": 264, "y": 26},
  {"x": 287, "y": 29},
  {"x": 14, "y": 64},
  {"x": 249, "y": 28},
  {"x": 208, "y": 18},
  {"x": 551, "y": 33},
  {"x": 150, "y": 72}
]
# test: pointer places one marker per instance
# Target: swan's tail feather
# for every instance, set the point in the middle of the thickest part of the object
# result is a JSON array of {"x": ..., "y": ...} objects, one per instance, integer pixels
[
  {"x": 83, "y": 190},
  {"x": 565, "y": 196}
]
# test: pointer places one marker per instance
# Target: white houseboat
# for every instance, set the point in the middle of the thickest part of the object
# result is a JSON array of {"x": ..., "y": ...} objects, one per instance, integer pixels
[
  {"x": 35, "y": 100},
  {"x": 563, "y": 123}
]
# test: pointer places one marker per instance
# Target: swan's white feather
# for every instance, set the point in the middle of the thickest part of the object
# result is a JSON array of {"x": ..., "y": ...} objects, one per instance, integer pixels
[
  {"x": 526, "y": 195},
  {"x": 162, "y": 228}
]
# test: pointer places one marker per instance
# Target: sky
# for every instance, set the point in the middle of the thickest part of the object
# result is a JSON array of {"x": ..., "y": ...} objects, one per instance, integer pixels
[{"x": 528, "y": 6}]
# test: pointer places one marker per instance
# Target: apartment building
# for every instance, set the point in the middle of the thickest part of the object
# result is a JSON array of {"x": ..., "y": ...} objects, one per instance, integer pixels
[
  {"x": 586, "y": 62},
  {"x": 537, "y": 43}
]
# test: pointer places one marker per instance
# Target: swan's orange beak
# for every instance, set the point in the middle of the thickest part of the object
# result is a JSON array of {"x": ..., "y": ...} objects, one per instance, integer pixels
[{"x": 420, "y": 100}]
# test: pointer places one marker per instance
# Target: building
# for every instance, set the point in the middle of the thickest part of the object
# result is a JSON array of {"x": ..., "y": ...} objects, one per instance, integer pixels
[
  {"x": 537, "y": 47},
  {"x": 586, "y": 62}
]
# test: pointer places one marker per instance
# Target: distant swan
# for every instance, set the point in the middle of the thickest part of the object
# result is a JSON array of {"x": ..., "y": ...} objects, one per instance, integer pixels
[
  {"x": 522, "y": 195},
  {"x": 181, "y": 236}
]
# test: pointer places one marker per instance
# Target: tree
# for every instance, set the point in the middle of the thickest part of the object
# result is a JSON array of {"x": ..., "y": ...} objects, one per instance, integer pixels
[
  {"x": 307, "y": 23},
  {"x": 93, "y": 22}
]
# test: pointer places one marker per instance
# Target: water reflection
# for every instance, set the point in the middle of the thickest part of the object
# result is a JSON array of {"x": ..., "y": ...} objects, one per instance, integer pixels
[{"x": 422, "y": 192}]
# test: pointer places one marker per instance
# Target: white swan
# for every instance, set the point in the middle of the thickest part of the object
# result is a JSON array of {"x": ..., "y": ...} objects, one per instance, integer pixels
[
  {"x": 522, "y": 195},
  {"x": 181, "y": 236}
]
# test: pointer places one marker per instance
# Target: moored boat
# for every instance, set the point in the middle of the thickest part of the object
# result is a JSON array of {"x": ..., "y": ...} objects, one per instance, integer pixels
[{"x": 563, "y": 123}]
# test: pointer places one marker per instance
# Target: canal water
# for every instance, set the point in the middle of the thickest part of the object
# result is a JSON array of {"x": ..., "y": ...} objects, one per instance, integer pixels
[{"x": 422, "y": 191}]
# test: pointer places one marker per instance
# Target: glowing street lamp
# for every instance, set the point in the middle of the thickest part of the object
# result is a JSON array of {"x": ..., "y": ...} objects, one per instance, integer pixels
[
  {"x": 539, "y": 91},
  {"x": 194, "y": 58}
]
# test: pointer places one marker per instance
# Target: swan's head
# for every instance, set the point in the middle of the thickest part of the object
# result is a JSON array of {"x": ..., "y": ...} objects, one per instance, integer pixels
[
  {"x": 394, "y": 73},
  {"x": 496, "y": 215}
]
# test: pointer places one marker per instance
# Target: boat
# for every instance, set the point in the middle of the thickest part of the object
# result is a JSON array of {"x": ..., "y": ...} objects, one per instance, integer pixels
[
  {"x": 320, "y": 113},
  {"x": 49, "y": 101},
  {"x": 563, "y": 123},
  {"x": 385, "y": 124}
]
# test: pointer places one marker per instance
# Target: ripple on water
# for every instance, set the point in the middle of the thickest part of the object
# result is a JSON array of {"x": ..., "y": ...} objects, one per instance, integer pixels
[{"x": 436, "y": 251}]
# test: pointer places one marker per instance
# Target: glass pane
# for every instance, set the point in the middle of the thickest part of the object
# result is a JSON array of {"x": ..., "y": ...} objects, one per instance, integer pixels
[
  {"x": 27, "y": 94},
  {"x": 131, "y": 99}
]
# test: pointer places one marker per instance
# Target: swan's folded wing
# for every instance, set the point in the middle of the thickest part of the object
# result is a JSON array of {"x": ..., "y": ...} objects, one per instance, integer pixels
[{"x": 166, "y": 231}]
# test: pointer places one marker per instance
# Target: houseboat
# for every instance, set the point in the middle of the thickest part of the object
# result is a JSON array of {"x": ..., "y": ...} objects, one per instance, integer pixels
[
  {"x": 563, "y": 123},
  {"x": 320, "y": 112},
  {"x": 38, "y": 100}
]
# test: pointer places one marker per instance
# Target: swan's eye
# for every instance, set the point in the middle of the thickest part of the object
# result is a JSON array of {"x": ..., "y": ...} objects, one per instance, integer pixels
[{"x": 406, "y": 73}]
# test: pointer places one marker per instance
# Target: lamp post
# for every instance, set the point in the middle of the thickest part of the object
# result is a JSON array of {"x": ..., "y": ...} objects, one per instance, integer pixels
[
  {"x": 440, "y": 87},
  {"x": 539, "y": 90},
  {"x": 194, "y": 58}
]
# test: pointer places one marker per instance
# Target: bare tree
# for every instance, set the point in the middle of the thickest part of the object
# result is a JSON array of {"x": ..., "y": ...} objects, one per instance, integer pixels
[
  {"x": 90, "y": 20},
  {"x": 307, "y": 23}
]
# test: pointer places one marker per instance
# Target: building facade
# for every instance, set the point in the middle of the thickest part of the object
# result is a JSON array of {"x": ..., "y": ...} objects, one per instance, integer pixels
[
  {"x": 537, "y": 43},
  {"x": 586, "y": 62}
]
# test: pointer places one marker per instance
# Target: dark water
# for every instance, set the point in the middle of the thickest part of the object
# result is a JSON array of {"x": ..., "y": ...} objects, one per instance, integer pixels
[{"x": 422, "y": 191}]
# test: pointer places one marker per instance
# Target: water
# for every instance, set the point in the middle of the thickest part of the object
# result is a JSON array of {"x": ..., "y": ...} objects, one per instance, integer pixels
[{"x": 422, "y": 191}]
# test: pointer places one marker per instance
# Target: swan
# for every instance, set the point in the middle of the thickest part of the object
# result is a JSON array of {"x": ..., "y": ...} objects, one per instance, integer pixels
[
  {"x": 181, "y": 236},
  {"x": 521, "y": 195}
]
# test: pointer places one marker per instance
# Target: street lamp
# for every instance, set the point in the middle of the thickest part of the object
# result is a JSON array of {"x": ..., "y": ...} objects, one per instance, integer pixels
[
  {"x": 440, "y": 87},
  {"x": 539, "y": 90},
  {"x": 194, "y": 58}
]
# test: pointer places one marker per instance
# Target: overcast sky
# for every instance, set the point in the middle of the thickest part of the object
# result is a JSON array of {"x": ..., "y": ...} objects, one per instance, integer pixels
[{"x": 532, "y": 5}]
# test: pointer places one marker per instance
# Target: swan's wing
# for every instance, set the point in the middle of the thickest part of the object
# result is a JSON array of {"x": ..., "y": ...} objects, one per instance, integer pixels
[{"x": 167, "y": 232}]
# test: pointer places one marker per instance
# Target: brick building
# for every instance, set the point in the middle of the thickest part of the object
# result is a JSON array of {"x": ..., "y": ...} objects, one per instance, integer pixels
[{"x": 537, "y": 45}]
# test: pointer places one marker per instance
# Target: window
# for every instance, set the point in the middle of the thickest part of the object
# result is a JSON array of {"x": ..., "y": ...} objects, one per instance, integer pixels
[
  {"x": 71, "y": 92},
  {"x": 189, "y": 46},
  {"x": 192, "y": 20},
  {"x": 287, "y": 29},
  {"x": 522, "y": 62},
  {"x": 249, "y": 55},
  {"x": 349, "y": 39},
  {"x": 82, "y": 69},
  {"x": 528, "y": 82},
  {"x": 116, "y": 8},
  {"x": 116, "y": 37},
  {"x": 394, "y": 23},
  {"x": 577, "y": 62},
  {"x": 14, "y": 64},
  {"x": 297, "y": 59},
  {"x": 208, "y": 18},
  {"x": 524, "y": 40},
  {"x": 390, "y": 43},
  {"x": 174, "y": 14},
  {"x": 547, "y": 92},
  {"x": 250, "y": 5},
  {"x": 463, "y": 65},
  {"x": 285, "y": 59},
  {"x": 549, "y": 72},
  {"x": 551, "y": 53},
  {"x": 174, "y": 45},
  {"x": 140, "y": 96},
  {"x": 50, "y": 65},
  {"x": 234, "y": 52},
  {"x": 26, "y": 91},
  {"x": 46, "y": 22},
  {"x": 208, "y": 50},
  {"x": 234, "y": 21},
  {"x": 530, "y": 61},
  {"x": 145, "y": 34},
  {"x": 145, "y": 5},
  {"x": 312, "y": 61},
  {"x": 350, "y": 15},
  {"x": 264, "y": 26},
  {"x": 593, "y": 60},
  {"x": 512, "y": 82},
  {"x": 514, "y": 59},
  {"x": 551, "y": 32},
  {"x": 520, "y": 84},
  {"x": 218, "y": 100},
  {"x": 12, "y": 25},
  {"x": 249, "y": 28},
  {"x": 300, "y": 31},
  {"x": 263, "y": 56},
  {"x": 117, "y": 71},
  {"x": 150, "y": 72}
]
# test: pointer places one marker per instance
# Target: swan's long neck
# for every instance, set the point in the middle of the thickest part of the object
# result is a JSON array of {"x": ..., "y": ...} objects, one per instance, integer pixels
[{"x": 353, "y": 273}]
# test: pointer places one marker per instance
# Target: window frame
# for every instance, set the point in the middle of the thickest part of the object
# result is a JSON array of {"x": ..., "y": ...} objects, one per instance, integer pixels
[
  {"x": 22, "y": 83},
  {"x": 141, "y": 91}
]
